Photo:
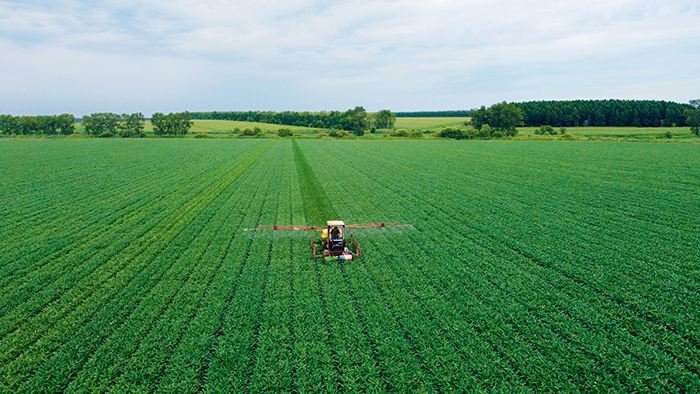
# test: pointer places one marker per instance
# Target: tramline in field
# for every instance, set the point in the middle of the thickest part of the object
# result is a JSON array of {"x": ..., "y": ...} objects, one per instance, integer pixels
[{"x": 334, "y": 246}]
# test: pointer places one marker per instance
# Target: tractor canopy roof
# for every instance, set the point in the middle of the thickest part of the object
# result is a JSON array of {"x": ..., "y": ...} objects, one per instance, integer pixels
[{"x": 335, "y": 223}]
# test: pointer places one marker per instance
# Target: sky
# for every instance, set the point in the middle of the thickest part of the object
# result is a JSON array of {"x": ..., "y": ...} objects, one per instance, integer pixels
[{"x": 150, "y": 56}]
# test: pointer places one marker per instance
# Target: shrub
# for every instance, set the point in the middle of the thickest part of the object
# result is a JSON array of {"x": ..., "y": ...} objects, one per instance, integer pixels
[
  {"x": 398, "y": 133},
  {"x": 106, "y": 134},
  {"x": 415, "y": 133},
  {"x": 322, "y": 135},
  {"x": 458, "y": 134},
  {"x": 127, "y": 133},
  {"x": 545, "y": 130},
  {"x": 284, "y": 133},
  {"x": 201, "y": 135},
  {"x": 497, "y": 134},
  {"x": 567, "y": 136},
  {"x": 562, "y": 130},
  {"x": 341, "y": 134},
  {"x": 486, "y": 131}
]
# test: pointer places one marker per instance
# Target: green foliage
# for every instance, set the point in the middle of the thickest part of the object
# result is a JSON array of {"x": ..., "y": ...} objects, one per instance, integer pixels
[
  {"x": 693, "y": 120},
  {"x": 575, "y": 113},
  {"x": 503, "y": 117},
  {"x": 284, "y": 132},
  {"x": 338, "y": 133},
  {"x": 415, "y": 133},
  {"x": 355, "y": 120},
  {"x": 101, "y": 123},
  {"x": 358, "y": 121},
  {"x": 131, "y": 125},
  {"x": 567, "y": 136},
  {"x": 434, "y": 114},
  {"x": 485, "y": 131},
  {"x": 398, "y": 133},
  {"x": 173, "y": 124},
  {"x": 455, "y": 133},
  {"x": 37, "y": 125},
  {"x": 545, "y": 130},
  {"x": 384, "y": 119},
  {"x": 201, "y": 135},
  {"x": 107, "y": 124}
]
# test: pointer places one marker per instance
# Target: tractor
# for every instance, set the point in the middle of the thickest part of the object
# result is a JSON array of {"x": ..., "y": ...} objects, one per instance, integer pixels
[{"x": 333, "y": 242}]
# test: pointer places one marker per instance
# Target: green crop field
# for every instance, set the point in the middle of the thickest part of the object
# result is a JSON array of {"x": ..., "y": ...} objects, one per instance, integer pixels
[{"x": 531, "y": 266}]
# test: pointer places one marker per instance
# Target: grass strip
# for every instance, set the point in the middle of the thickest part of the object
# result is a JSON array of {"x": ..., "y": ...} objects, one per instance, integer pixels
[{"x": 316, "y": 204}]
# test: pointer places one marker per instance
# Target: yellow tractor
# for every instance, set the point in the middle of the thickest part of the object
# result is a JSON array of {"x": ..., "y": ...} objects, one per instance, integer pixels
[
  {"x": 333, "y": 243},
  {"x": 333, "y": 238}
]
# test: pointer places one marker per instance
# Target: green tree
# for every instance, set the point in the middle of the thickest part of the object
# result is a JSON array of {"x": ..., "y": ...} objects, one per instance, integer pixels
[
  {"x": 66, "y": 124},
  {"x": 384, "y": 119},
  {"x": 160, "y": 124},
  {"x": 28, "y": 125},
  {"x": 101, "y": 124},
  {"x": 172, "y": 123},
  {"x": 358, "y": 121},
  {"x": 131, "y": 125},
  {"x": 9, "y": 125},
  {"x": 506, "y": 117},
  {"x": 692, "y": 119},
  {"x": 183, "y": 122},
  {"x": 503, "y": 117}
]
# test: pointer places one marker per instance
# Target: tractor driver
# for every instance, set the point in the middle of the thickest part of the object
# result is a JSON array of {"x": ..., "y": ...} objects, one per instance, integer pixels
[{"x": 335, "y": 233}]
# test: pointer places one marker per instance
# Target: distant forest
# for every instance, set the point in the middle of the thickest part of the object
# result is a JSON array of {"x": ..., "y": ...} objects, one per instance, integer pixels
[
  {"x": 434, "y": 114},
  {"x": 634, "y": 113}
]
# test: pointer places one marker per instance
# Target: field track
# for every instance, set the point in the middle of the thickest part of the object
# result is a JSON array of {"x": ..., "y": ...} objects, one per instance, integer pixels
[{"x": 530, "y": 266}]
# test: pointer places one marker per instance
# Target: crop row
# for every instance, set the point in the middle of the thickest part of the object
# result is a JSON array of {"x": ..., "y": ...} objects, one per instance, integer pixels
[
  {"x": 436, "y": 216},
  {"x": 104, "y": 295}
]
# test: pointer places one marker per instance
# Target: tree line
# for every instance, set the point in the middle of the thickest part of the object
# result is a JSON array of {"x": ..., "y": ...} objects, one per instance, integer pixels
[
  {"x": 107, "y": 124},
  {"x": 356, "y": 120},
  {"x": 37, "y": 125},
  {"x": 576, "y": 113},
  {"x": 434, "y": 114}
]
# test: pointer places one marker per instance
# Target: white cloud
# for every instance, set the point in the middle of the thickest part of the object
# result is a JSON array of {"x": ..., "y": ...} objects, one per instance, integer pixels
[{"x": 304, "y": 54}]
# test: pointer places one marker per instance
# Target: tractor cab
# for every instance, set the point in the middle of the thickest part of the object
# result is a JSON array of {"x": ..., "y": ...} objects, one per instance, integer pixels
[{"x": 333, "y": 235}]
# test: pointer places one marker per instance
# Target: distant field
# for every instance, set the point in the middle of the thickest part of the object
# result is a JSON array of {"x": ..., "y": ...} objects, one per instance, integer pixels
[
  {"x": 620, "y": 132},
  {"x": 221, "y": 126},
  {"x": 429, "y": 123},
  {"x": 214, "y": 127},
  {"x": 227, "y": 126}
]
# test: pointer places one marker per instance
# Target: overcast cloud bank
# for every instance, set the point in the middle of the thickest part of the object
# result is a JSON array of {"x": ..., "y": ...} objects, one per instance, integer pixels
[{"x": 81, "y": 57}]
